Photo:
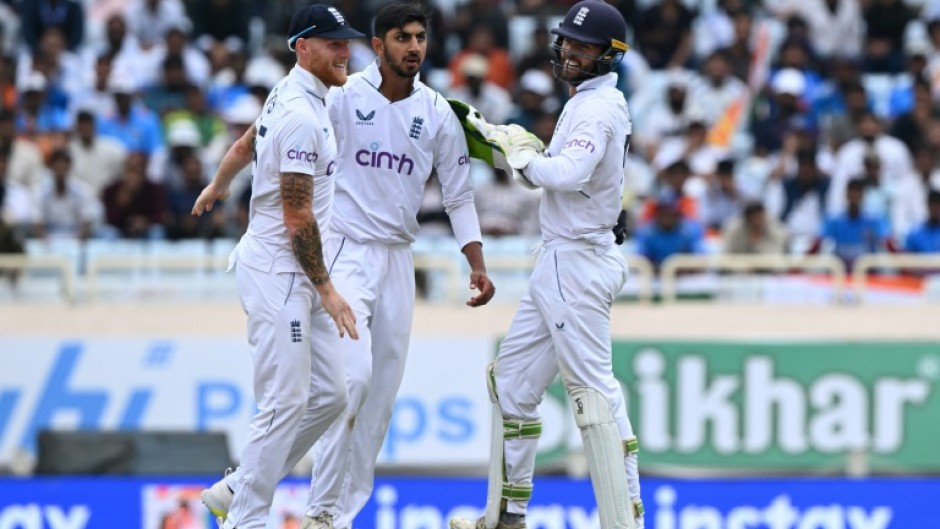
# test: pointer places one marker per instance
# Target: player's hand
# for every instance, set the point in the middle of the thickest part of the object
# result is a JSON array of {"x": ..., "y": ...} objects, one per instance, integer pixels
[
  {"x": 342, "y": 314},
  {"x": 480, "y": 281},
  {"x": 620, "y": 229},
  {"x": 511, "y": 138},
  {"x": 207, "y": 198}
]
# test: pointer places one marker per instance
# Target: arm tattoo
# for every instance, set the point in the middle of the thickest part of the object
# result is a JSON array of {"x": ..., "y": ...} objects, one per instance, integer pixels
[
  {"x": 308, "y": 248},
  {"x": 297, "y": 193}
]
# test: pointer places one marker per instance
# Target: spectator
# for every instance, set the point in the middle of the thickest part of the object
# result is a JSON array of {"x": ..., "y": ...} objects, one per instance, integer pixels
[
  {"x": 911, "y": 126},
  {"x": 127, "y": 58},
  {"x": 63, "y": 70},
  {"x": 36, "y": 117},
  {"x": 490, "y": 99},
  {"x": 666, "y": 119},
  {"x": 895, "y": 160},
  {"x": 841, "y": 125},
  {"x": 717, "y": 89},
  {"x": 220, "y": 21},
  {"x": 784, "y": 109},
  {"x": 182, "y": 141},
  {"x": 853, "y": 233},
  {"x": 886, "y": 22},
  {"x": 668, "y": 234},
  {"x": 671, "y": 187},
  {"x": 714, "y": 28},
  {"x": 8, "y": 93},
  {"x": 692, "y": 147},
  {"x": 926, "y": 237},
  {"x": 131, "y": 123},
  {"x": 740, "y": 52},
  {"x": 481, "y": 42},
  {"x": 835, "y": 26},
  {"x": 25, "y": 165},
  {"x": 505, "y": 208},
  {"x": 474, "y": 14},
  {"x": 911, "y": 198},
  {"x": 800, "y": 202},
  {"x": 539, "y": 56},
  {"x": 168, "y": 95},
  {"x": 665, "y": 34},
  {"x": 180, "y": 223},
  {"x": 96, "y": 160},
  {"x": 754, "y": 232},
  {"x": 40, "y": 15},
  {"x": 901, "y": 97},
  {"x": 149, "y": 20},
  {"x": 196, "y": 110},
  {"x": 176, "y": 43},
  {"x": 536, "y": 97},
  {"x": 721, "y": 200},
  {"x": 134, "y": 206},
  {"x": 67, "y": 207},
  {"x": 96, "y": 95},
  {"x": 17, "y": 205}
]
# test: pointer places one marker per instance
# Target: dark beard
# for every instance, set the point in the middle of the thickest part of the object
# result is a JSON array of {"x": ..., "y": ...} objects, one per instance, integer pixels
[{"x": 399, "y": 71}]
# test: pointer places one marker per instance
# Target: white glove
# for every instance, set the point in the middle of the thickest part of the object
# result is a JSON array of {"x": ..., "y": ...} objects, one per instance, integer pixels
[
  {"x": 514, "y": 137},
  {"x": 519, "y": 159}
]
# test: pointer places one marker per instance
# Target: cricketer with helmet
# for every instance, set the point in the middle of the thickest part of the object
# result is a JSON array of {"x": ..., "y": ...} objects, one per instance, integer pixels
[{"x": 562, "y": 324}]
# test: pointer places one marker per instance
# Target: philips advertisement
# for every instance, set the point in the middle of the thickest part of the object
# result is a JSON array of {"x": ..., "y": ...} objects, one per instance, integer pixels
[{"x": 428, "y": 503}]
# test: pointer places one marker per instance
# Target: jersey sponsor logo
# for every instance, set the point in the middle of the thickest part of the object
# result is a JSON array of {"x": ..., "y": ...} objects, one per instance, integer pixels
[
  {"x": 584, "y": 144},
  {"x": 416, "y": 125},
  {"x": 385, "y": 160},
  {"x": 364, "y": 119},
  {"x": 305, "y": 156},
  {"x": 331, "y": 167},
  {"x": 463, "y": 160}
]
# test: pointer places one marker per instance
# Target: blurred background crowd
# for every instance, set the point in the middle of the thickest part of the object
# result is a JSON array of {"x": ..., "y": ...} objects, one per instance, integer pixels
[{"x": 775, "y": 126}]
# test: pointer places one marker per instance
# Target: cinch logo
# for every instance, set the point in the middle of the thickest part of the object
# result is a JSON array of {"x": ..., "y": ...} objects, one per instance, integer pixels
[
  {"x": 385, "y": 160},
  {"x": 585, "y": 144},
  {"x": 463, "y": 160},
  {"x": 305, "y": 156},
  {"x": 579, "y": 18},
  {"x": 330, "y": 168}
]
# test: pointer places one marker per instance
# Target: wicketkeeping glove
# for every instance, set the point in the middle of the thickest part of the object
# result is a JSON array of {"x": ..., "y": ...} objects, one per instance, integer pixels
[{"x": 620, "y": 229}]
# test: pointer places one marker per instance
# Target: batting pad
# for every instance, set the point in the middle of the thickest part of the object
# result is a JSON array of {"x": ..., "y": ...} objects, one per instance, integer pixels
[
  {"x": 605, "y": 452},
  {"x": 494, "y": 486},
  {"x": 475, "y": 130}
]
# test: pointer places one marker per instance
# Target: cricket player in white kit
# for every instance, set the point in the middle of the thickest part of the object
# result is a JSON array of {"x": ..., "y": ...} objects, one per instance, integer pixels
[
  {"x": 294, "y": 311},
  {"x": 392, "y": 132},
  {"x": 563, "y": 322}
]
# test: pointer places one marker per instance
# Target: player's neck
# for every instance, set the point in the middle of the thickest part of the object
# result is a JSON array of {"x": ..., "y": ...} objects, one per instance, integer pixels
[{"x": 395, "y": 87}]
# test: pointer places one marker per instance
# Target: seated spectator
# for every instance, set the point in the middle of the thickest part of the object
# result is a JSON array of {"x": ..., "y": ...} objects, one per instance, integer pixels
[
  {"x": 40, "y": 15},
  {"x": 25, "y": 162},
  {"x": 131, "y": 123},
  {"x": 671, "y": 182},
  {"x": 180, "y": 223},
  {"x": 36, "y": 117},
  {"x": 926, "y": 237},
  {"x": 536, "y": 96},
  {"x": 717, "y": 89},
  {"x": 490, "y": 99},
  {"x": 17, "y": 205},
  {"x": 134, "y": 206},
  {"x": 885, "y": 22},
  {"x": 911, "y": 126},
  {"x": 168, "y": 94},
  {"x": 63, "y": 70},
  {"x": 664, "y": 34},
  {"x": 754, "y": 232},
  {"x": 96, "y": 160},
  {"x": 149, "y": 20},
  {"x": 840, "y": 124},
  {"x": 800, "y": 202},
  {"x": 666, "y": 119},
  {"x": 220, "y": 21},
  {"x": 67, "y": 207},
  {"x": 505, "y": 208},
  {"x": 668, "y": 234},
  {"x": 501, "y": 71},
  {"x": 693, "y": 148},
  {"x": 95, "y": 96},
  {"x": 853, "y": 233},
  {"x": 783, "y": 110},
  {"x": 721, "y": 200}
]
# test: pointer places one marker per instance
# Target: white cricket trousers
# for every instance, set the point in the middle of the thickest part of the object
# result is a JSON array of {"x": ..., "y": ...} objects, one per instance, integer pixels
[
  {"x": 378, "y": 281},
  {"x": 298, "y": 385},
  {"x": 562, "y": 324}
]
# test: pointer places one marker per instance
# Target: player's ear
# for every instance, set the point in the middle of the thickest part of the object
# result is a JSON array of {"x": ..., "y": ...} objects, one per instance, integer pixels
[{"x": 378, "y": 46}]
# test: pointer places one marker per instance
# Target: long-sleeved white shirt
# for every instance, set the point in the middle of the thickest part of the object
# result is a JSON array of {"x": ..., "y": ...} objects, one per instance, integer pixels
[
  {"x": 582, "y": 174},
  {"x": 387, "y": 151}
]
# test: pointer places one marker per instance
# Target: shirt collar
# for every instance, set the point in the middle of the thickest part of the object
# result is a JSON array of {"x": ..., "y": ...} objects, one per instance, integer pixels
[
  {"x": 609, "y": 79},
  {"x": 373, "y": 75},
  {"x": 309, "y": 82}
]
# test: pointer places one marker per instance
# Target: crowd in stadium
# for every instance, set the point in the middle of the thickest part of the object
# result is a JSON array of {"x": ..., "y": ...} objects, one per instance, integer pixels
[{"x": 782, "y": 126}]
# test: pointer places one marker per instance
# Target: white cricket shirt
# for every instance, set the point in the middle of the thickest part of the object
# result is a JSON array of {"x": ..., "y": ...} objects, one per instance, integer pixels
[
  {"x": 582, "y": 174},
  {"x": 386, "y": 153},
  {"x": 294, "y": 136}
]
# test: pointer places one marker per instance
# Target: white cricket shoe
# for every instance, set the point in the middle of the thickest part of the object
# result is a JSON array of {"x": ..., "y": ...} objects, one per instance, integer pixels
[
  {"x": 218, "y": 498},
  {"x": 320, "y": 521}
]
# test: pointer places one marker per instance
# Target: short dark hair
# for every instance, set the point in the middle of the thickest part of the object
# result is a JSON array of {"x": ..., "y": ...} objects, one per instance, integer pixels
[
  {"x": 84, "y": 116},
  {"x": 753, "y": 208},
  {"x": 59, "y": 155},
  {"x": 397, "y": 16},
  {"x": 855, "y": 185},
  {"x": 933, "y": 197}
]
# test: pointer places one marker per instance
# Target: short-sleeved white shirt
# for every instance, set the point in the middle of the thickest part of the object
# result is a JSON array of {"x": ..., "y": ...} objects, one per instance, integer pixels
[
  {"x": 387, "y": 151},
  {"x": 294, "y": 135}
]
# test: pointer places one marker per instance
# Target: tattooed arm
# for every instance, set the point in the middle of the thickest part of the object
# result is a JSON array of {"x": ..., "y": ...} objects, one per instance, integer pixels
[
  {"x": 237, "y": 157},
  {"x": 304, "y": 234}
]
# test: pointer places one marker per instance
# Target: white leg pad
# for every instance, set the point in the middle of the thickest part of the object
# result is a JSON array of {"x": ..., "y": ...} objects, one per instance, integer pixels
[
  {"x": 494, "y": 487},
  {"x": 605, "y": 452}
]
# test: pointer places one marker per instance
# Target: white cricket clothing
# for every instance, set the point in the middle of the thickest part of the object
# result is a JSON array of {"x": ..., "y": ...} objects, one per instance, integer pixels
[
  {"x": 298, "y": 374},
  {"x": 387, "y": 153},
  {"x": 563, "y": 322},
  {"x": 582, "y": 174},
  {"x": 294, "y": 135}
]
